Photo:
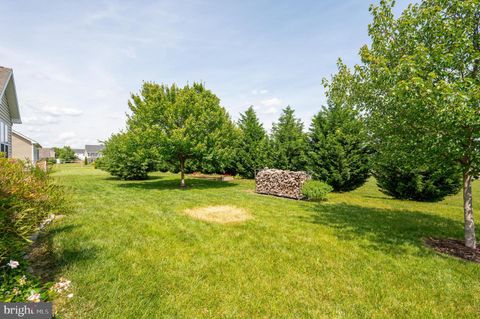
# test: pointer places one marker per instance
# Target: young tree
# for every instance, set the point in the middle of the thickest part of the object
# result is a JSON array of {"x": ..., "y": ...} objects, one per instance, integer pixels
[
  {"x": 421, "y": 87},
  {"x": 338, "y": 148},
  {"x": 183, "y": 124},
  {"x": 288, "y": 142},
  {"x": 252, "y": 152}
]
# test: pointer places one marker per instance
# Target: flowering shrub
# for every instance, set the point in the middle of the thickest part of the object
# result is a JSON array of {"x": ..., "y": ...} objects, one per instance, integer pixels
[
  {"x": 17, "y": 285},
  {"x": 28, "y": 200}
]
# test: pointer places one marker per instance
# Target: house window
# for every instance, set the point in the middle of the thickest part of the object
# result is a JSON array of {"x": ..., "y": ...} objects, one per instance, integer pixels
[{"x": 4, "y": 145}]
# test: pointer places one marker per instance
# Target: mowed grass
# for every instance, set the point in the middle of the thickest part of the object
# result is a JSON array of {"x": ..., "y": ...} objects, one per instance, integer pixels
[{"x": 131, "y": 252}]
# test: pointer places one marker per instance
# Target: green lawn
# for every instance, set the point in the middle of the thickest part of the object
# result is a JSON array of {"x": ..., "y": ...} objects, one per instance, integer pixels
[{"x": 130, "y": 253}]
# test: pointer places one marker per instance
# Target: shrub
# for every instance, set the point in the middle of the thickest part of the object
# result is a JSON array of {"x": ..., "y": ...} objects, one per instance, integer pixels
[
  {"x": 419, "y": 184},
  {"x": 124, "y": 156},
  {"x": 316, "y": 190},
  {"x": 27, "y": 197}
]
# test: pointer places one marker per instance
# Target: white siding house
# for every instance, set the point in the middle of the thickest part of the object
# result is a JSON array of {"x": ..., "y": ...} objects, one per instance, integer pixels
[
  {"x": 9, "y": 111},
  {"x": 79, "y": 153},
  {"x": 92, "y": 152}
]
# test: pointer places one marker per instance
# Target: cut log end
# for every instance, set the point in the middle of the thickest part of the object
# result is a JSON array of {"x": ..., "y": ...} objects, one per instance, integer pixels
[{"x": 280, "y": 183}]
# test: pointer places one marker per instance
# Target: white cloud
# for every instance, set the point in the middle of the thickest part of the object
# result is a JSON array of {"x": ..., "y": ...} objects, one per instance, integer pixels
[
  {"x": 110, "y": 12},
  {"x": 58, "y": 111},
  {"x": 274, "y": 101},
  {"x": 259, "y": 92},
  {"x": 35, "y": 120},
  {"x": 270, "y": 110}
]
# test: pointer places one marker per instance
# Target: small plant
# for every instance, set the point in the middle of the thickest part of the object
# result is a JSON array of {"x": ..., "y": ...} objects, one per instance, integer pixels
[{"x": 316, "y": 190}]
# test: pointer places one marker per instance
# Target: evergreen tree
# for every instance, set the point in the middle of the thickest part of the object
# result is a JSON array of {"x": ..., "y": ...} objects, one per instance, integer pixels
[
  {"x": 338, "y": 152},
  {"x": 288, "y": 142},
  {"x": 252, "y": 153}
]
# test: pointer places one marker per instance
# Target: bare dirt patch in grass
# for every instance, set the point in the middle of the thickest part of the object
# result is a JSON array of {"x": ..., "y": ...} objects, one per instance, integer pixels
[
  {"x": 225, "y": 214},
  {"x": 454, "y": 247}
]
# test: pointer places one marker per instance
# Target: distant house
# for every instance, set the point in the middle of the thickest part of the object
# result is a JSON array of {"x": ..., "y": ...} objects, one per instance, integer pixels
[
  {"x": 25, "y": 148},
  {"x": 92, "y": 152},
  {"x": 9, "y": 110},
  {"x": 47, "y": 152},
  {"x": 79, "y": 153}
]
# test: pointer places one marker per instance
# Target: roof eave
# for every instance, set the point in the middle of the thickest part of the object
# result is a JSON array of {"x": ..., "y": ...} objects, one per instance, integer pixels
[{"x": 11, "y": 95}]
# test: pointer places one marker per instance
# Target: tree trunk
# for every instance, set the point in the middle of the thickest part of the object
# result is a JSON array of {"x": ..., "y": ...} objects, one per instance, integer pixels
[
  {"x": 182, "y": 172},
  {"x": 468, "y": 211}
]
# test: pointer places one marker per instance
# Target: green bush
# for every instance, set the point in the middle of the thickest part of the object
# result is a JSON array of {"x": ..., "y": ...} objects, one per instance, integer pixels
[
  {"x": 28, "y": 198},
  {"x": 124, "y": 156},
  {"x": 419, "y": 184},
  {"x": 316, "y": 190}
]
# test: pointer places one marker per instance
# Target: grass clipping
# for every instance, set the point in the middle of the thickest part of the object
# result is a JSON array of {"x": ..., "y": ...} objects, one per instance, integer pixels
[{"x": 225, "y": 214}]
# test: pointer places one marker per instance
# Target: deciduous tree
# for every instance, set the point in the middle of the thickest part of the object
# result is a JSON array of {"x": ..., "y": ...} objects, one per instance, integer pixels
[
  {"x": 183, "y": 124},
  {"x": 421, "y": 87}
]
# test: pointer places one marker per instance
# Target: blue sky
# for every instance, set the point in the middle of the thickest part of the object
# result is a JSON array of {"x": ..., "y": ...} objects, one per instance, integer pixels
[{"x": 76, "y": 62}]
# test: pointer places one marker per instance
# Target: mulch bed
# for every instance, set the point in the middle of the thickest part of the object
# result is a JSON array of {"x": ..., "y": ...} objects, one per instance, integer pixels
[{"x": 454, "y": 247}]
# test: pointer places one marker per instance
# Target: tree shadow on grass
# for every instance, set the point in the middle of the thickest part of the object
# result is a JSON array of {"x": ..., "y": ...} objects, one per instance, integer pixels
[
  {"x": 169, "y": 184},
  {"x": 391, "y": 231},
  {"x": 115, "y": 178},
  {"x": 48, "y": 263}
]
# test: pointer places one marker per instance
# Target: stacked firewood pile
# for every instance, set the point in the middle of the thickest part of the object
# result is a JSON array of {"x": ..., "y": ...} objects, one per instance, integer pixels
[{"x": 281, "y": 183}]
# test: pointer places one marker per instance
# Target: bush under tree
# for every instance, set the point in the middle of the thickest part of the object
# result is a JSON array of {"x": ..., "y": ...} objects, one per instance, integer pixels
[{"x": 421, "y": 184}]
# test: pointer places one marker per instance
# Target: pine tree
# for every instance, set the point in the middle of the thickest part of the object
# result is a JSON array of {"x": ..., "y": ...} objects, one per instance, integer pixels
[
  {"x": 252, "y": 151},
  {"x": 288, "y": 142},
  {"x": 338, "y": 152},
  {"x": 338, "y": 148}
]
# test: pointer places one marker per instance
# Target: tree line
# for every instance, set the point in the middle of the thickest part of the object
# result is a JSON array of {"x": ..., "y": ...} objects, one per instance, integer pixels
[
  {"x": 409, "y": 114},
  {"x": 186, "y": 130}
]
